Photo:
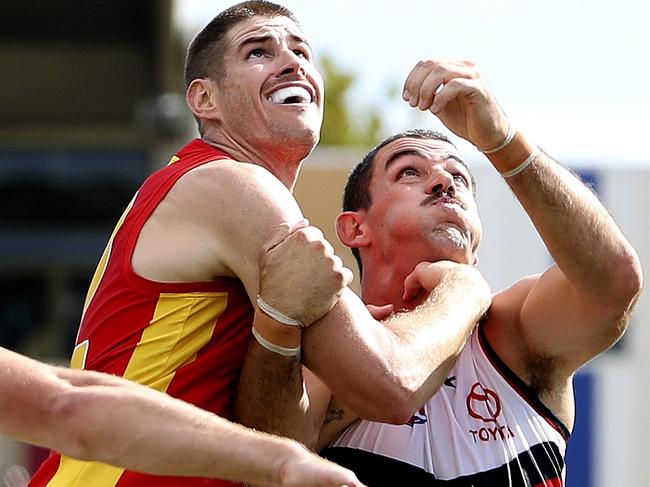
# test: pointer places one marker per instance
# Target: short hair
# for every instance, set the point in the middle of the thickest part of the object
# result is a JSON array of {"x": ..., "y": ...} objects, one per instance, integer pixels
[
  {"x": 206, "y": 51},
  {"x": 356, "y": 195}
]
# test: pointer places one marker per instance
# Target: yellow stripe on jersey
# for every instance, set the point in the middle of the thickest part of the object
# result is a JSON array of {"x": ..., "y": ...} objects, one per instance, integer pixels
[
  {"x": 173, "y": 160},
  {"x": 78, "y": 360},
  {"x": 76, "y": 472},
  {"x": 183, "y": 323},
  {"x": 103, "y": 261}
]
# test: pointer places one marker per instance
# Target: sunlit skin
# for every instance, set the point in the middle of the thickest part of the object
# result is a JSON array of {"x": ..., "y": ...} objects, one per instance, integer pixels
[
  {"x": 423, "y": 209},
  {"x": 266, "y": 55}
]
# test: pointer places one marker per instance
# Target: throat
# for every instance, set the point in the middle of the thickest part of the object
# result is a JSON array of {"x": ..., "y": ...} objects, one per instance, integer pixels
[{"x": 386, "y": 287}]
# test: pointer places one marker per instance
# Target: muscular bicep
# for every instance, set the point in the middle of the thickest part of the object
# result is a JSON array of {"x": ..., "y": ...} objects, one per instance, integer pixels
[
  {"x": 560, "y": 322},
  {"x": 245, "y": 204}
]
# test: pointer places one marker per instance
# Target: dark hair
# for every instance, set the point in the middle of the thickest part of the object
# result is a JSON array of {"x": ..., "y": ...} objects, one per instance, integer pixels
[
  {"x": 356, "y": 195},
  {"x": 206, "y": 51}
]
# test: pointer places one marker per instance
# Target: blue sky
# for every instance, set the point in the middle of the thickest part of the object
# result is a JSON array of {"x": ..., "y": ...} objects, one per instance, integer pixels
[{"x": 575, "y": 75}]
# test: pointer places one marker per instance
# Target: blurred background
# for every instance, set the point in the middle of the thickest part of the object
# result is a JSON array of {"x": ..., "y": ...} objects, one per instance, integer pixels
[{"x": 91, "y": 102}]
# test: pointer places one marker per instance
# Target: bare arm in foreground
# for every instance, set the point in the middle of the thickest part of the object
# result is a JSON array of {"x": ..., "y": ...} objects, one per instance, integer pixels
[{"x": 94, "y": 416}]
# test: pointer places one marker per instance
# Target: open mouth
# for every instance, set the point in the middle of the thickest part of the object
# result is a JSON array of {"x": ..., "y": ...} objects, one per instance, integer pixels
[{"x": 291, "y": 95}]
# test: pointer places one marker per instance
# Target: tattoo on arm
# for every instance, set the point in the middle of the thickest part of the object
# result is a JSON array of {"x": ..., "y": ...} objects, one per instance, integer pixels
[{"x": 334, "y": 415}]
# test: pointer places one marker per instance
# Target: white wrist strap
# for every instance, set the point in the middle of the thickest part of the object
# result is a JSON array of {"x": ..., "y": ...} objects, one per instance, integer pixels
[
  {"x": 272, "y": 347},
  {"x": 522, "y": 166},
  {"x": 277, "y": 315},
  {"x": 511, "y": 135}
]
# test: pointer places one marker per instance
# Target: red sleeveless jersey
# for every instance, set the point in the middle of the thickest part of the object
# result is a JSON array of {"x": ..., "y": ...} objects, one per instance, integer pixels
[{"x": 185, "y": 339}]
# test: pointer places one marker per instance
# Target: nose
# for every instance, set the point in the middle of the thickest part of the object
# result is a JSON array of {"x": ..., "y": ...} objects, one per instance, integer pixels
[
  {"x": 440, "y": 181},
  {"x": 291, "y": 63}
]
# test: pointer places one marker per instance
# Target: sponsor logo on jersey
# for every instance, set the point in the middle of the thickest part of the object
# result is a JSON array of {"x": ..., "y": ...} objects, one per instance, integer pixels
[{"x": 484, "y": 404}]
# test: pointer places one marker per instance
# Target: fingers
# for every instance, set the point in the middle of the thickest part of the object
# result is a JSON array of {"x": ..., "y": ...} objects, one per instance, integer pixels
[
  {"x": 300, "y": 275},
  {"x": 457, "y": 94},
  {"x": 282, "y": 232},
  {"x": 412, "y": 287},
  {"x": 344, "y": 478},
  {"x": 347, "y": 276},
  {"x": 314, "y": 471},
  {"x": 428, "y": 77},
  {"x": 424, "y": 278},
  {"x": 380, "y": 312},
  {"x": 452, "y": 90},
  {"x": 312, "y": 236}
]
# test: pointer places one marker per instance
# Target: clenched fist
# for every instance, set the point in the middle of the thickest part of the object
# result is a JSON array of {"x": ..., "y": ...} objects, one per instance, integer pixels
[
  {"x": 300, "y": 275},
  {"x": 457, "y": 94}
]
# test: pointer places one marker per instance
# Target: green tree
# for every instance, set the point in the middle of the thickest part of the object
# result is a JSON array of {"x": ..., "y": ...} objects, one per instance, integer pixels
[{"x": 341, "y": 127}]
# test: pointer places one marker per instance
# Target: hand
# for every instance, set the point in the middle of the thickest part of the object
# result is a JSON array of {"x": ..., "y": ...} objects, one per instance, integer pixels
[
  {"x": 304, "y": 469},
  {"x": 428, "y": 276},
  {"x": 454, "y": 91},
  {"x": 380, "y": 312},
  {"x": 300, "y": 275}
]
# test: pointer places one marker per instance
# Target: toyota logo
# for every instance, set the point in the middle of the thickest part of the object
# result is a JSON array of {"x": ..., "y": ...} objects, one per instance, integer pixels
[{"x": 483, "y": 404}]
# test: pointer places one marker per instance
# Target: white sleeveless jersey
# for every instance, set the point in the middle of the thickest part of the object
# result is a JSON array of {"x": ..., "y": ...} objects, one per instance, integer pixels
[{"x": 484, "y": 427}]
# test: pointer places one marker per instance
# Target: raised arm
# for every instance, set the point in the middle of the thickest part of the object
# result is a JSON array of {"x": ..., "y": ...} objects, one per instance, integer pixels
[
  {"x": 94, "y": 416},
  {"x": 580, "y": 306}
]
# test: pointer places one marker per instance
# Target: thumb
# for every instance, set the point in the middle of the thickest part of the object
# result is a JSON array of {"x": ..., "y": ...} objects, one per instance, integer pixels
[
  {"x": 380, "y": 312},
  {"x": 282, "y": 231},
  {"x": 412, "y": 286}
]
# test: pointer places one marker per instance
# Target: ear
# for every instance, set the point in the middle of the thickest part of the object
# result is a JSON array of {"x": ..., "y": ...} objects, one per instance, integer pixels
[
  {"x": 350, "y": 229},
  {"x": 202, "y": 98}
]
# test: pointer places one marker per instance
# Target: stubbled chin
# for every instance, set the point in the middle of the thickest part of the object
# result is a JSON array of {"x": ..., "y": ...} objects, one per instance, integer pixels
[
  {"x": 453, "y": 236},
  {"x": 298, "y": 134}
]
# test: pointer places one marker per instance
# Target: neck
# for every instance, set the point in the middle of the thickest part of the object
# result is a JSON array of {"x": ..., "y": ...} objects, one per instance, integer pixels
[
  {"x": 384, "y": 284},
  {"x": 281, "y": 160},
  {"x": 383, "y": 277}
]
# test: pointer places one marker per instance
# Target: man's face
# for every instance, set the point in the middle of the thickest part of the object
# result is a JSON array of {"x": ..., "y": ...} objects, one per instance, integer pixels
[
  {"x": 271, "y": 92},
  {"x": 422, "y": 203}
]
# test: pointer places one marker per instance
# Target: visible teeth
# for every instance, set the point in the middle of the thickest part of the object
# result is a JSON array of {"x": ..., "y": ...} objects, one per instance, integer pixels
[{"x": 300, "y": 95}]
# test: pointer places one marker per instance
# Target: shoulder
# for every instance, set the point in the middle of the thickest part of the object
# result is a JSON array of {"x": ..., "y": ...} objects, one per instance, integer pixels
[
  {"x": 229, "y": 182},
  {"x": 226, "y": 173},
  {"x": 517, "y": 345},
  {"x": 505, "y": 312}
]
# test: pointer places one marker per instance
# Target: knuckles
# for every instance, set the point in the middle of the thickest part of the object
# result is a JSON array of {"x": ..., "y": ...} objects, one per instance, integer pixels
[
  {"x": 308, "y": 234},
  {"x": 428, "y": 63}
]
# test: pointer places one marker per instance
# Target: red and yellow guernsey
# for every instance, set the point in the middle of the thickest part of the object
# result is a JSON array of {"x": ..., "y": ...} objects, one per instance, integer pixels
[{"x": 185, "y": 339}]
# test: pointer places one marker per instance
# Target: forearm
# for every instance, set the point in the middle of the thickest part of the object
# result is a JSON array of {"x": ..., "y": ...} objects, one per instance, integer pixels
[
  {"x": 578, "y": 231},
  {"x": 271, "y": 396},
  {"x": 95, "y": 416},
  {"x": 448, "y": 316},
  {"x": 146, "y": 431},
  {"x": 386, "y": 373}
]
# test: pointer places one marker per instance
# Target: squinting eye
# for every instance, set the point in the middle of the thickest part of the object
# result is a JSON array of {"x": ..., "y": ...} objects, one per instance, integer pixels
[{"x": 300, "y": 52}]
